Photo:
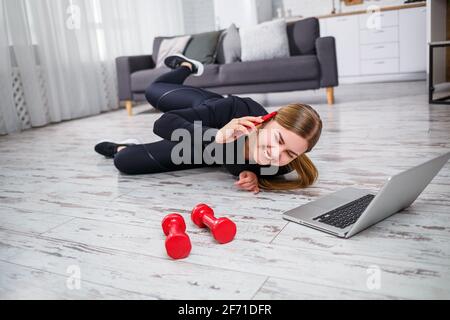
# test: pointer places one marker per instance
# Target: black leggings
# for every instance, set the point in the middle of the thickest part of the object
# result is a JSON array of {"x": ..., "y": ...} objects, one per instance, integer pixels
[{"x": 166, "y": 93}]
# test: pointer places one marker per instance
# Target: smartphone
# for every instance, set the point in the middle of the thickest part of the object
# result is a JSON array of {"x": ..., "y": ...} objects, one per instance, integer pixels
[
  {"x": 269, "y": 116},
  {"x": 265, "y": 118}
]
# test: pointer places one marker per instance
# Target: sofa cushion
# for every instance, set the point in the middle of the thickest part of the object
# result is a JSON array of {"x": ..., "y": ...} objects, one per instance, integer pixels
[
  {"x": 302, "y": 36},
  {"x": 203, "y": 47},
  {"x": 157, "y": 43},
  {"x": 295, "y": 68},
  {"x": 229, "y": 47},
  {"x": 267, "y": 40},
  {"x": 140, "y": 80},
  {"x": 210, "y": 77},
  {"x": 169, "y": 47}
]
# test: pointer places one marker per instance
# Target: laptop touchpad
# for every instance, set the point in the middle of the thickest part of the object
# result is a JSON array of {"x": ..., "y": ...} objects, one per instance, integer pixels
[{"x": 329, "y": 202}]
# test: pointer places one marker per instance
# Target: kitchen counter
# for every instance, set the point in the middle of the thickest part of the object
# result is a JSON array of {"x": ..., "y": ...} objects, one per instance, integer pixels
[{"x": 387, "y": 8}]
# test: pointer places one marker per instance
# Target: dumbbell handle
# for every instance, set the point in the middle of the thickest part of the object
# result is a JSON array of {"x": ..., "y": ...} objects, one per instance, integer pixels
[
  {"x": 175, "y": 228},
  {"x": 209, "y": 221}
]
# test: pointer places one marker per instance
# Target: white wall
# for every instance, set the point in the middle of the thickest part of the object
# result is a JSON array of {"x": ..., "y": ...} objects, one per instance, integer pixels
[
  {"x": 208, "y": 15},
  {"x": 198, "y": 16},
  {"x": 242, "y": 13}
]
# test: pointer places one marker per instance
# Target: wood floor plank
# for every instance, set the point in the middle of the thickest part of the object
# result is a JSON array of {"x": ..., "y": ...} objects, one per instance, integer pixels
[
  {"x": 380, "y": 242},
  {"x": 153, "y": 277},
  {"x": 282, "y": 289},
  {"x": 31, "y": 222},
  {"x": 18, "y": 282}
]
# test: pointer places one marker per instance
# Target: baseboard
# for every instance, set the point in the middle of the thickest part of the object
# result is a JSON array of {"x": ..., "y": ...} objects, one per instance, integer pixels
[{"x": 413, "y": 76}]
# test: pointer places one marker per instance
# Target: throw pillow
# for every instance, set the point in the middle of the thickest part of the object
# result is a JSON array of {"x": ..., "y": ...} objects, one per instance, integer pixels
[
  {"x": 156, "y": 44},
  {"x": 169, "y": 47},
  {"x": 229, "y": 48},
  {"x": 203, "y": 47},
  {"x": 265, "y": 41}
]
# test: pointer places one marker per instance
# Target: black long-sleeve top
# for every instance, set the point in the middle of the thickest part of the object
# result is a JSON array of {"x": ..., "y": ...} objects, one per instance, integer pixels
[{"x": 214, "y": 114}]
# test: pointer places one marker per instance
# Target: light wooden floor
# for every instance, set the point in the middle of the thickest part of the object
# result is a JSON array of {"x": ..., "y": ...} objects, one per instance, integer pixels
[{"x": 62, "y": 205}]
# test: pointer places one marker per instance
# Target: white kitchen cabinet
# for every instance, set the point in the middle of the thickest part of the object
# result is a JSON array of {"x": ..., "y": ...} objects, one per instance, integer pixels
[
  {"x": 412, "y": 25},
  {"x": 379, "y": 66},
  {"x": 385, "y": 18},
  {"x": 345, "y": 30},
  {"x": 385, "y": 34},
  {"x": 323, "y": 27},
  {"x": 379, "y": 51},
  {"x": 394, "y": 49}
]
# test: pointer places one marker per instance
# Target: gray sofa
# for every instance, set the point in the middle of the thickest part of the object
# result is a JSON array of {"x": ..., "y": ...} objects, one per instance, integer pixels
[{"x": 312, "y": 65}]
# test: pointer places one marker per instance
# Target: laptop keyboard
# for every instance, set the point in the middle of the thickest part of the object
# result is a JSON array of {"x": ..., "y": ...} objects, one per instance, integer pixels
[{"x": 347, "y": 214}]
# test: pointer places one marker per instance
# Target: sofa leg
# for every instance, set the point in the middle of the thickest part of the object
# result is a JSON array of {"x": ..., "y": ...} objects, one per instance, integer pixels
[
  {"x": 129, "y": 106},
  {"x": 330, "y": 95}
]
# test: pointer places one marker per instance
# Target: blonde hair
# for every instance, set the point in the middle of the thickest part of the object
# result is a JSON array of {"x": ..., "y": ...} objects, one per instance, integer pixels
[{"x": 304, "y": 121}]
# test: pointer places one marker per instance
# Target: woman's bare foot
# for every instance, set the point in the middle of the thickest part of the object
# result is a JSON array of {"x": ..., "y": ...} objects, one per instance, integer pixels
[{"x": 187, "y": 64}]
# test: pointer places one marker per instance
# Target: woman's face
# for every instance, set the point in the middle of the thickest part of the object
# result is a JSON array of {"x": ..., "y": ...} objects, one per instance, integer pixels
[{"x": 276, "y": 145}]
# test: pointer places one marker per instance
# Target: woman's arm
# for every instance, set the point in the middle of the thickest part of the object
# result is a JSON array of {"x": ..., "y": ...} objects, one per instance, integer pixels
[{"x": 212, "y": 116}]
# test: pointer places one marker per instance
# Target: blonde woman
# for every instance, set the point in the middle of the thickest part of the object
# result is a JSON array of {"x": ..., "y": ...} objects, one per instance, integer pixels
[{"x": 281, "y": 142}]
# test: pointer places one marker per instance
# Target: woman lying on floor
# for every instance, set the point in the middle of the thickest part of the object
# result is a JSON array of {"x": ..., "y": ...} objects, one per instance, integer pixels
[{"x": 281, "y": 142}]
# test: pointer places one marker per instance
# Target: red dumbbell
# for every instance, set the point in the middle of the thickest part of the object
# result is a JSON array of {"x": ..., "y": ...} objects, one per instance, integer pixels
[
  {"x": 178, "y": 245},
  {"x": 223, "y": 229}
]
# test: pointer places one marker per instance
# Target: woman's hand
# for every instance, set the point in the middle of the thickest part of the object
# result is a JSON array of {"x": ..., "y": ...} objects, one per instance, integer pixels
[
  {"x": 248, "y": 181},
  {"x": 236, "y": 128}
]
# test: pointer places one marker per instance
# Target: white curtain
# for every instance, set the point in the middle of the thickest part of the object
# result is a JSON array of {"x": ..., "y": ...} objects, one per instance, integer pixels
[{"x": 64, "y": 52}]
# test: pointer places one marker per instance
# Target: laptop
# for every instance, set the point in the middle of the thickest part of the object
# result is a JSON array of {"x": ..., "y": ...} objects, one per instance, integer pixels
[{"x": 348, "y": 211}]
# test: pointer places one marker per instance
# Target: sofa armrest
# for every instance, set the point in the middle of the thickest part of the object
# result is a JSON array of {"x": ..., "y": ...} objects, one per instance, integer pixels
[
  {"x": 125, "y": 66},
  {"x": 326, "y": 54}
]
